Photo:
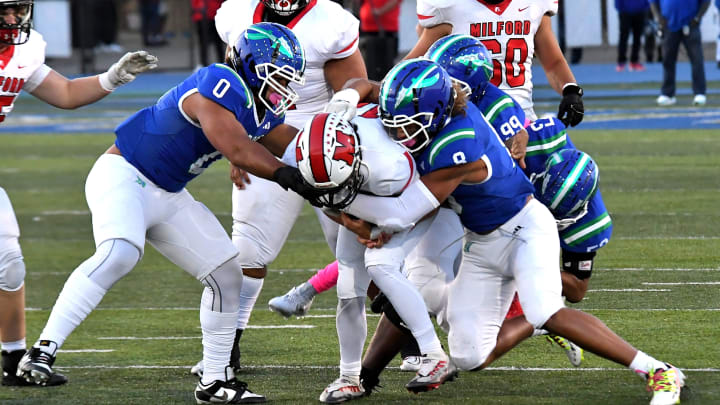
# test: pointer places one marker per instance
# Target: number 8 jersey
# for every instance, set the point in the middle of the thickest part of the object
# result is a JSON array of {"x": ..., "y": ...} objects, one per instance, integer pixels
[{"x": 507, "y": 29}]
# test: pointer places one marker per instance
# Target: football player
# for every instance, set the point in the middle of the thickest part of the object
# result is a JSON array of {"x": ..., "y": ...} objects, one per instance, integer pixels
[
  {"x": 263, "y": 213},
  {"x": 136, "y": 193},
  {"x": 512, "y": 240},
  {"x": 345, "y": 159},
  {"x": 514, "y": 32},
  {"x": 23, "y": 68}
]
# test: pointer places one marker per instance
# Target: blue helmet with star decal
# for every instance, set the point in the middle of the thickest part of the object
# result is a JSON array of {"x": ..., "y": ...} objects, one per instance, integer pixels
[
  {"x": 467, "y": 61},
  {"x": 416, "y": 98},
  {"x": 269, "y": 57},
  {"x": 567, "y": 184}
]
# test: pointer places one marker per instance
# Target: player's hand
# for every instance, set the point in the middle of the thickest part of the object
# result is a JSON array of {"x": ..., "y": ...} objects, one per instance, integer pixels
[
  {"x": 356, "y": 225},
  {"x": 517, "y": 145},
  {"x": 344, "y": 103},
  {"x": 127, "y": 68},
  {"x": 571, "y": 109},
  {"x": 239, "y": 177},
  {"x": 376, "y": 243},
  {"x": 290, "y": 178}
]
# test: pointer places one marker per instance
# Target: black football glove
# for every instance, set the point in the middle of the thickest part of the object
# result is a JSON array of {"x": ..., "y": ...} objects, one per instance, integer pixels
[
  {"x": 571, "y": 109},
  {"x": 289, "y": 177}
]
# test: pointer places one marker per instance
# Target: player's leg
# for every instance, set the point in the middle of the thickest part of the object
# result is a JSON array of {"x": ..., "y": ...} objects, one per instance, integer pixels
[
  {"x": 119, "y": 201},
  {"x": 351, "y": 323},
  {"x": 194, "y": 240}
]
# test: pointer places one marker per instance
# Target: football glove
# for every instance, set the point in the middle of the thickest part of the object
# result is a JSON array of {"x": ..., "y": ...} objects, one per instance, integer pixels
[
  {"x": 571, "y": 109},
  {"x": 344, "y": 103},
  {"x": 124, "y": 70},
  {"x": 290, "y": 178}
]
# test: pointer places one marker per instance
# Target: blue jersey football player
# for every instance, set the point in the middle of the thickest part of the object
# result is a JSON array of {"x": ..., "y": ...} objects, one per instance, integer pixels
[
  {"x": 511, "y": 241},
  {"x": 136, "y": 193}
]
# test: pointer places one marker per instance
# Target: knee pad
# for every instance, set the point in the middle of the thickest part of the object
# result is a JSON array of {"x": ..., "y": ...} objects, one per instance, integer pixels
[
  {"x": 12, "y": 271},
  {"x": 222, "y": 288},
  {"x": 113, "y": 259},
  {"x": 251, "y": 253}
]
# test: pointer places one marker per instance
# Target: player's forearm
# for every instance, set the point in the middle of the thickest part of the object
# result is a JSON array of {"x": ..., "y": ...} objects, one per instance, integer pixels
[
  {"x": 427, "y": 38},
  {"x": 558, "y": 74},
  {"x": 60, "y": 92}
]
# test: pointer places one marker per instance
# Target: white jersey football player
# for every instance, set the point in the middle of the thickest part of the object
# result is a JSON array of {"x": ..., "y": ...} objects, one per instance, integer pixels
[
  {"x": 514, "y": 32},
  {"x": 23, "y": 68},
  {"x": 346, "y": 159},
  {"x": 263, "y": 213}
]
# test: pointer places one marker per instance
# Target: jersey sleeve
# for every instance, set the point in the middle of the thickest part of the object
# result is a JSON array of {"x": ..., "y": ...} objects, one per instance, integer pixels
[
  {"x": 340, "y": 33},
  {"x": 222, "y": 85},
  {"x": 433, "y": 12},
  {"x": 504, "y": 114},
  {"x": 455, "y": 145},
  {"x": 36, "y": 78},
  {"x": 551, "y": 7},
  {"x": 227, "y": 24}
]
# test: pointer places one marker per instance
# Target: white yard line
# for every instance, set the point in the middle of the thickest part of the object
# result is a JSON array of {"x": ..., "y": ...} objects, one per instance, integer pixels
[
  {"x": 628, "y": 290},
  {"x": 656, "y": 269},
  {"x": 86, "y": 351},
  {"x": 687, "y": 283},
  {"x": 305, "y": 367}
]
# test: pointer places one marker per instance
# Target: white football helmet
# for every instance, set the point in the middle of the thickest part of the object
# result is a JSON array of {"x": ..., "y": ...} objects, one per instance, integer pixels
[
  {"x": 15, "y": 21},
  {"x": 328, "y": 156}
]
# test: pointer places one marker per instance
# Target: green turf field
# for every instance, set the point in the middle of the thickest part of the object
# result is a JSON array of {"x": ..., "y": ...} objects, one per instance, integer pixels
[{"x": 661, "y": 188}]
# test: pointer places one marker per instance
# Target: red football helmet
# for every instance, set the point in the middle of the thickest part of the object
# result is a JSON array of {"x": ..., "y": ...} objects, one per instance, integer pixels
[
  {"x": 15, "y": 17},
  {"x": 285, "y": 7},
  {"x": 328, "y": 156}
]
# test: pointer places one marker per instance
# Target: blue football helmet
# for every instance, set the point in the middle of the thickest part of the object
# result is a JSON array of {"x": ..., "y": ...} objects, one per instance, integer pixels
[
  {"x": 269, "y": 57},
  {"x": 467, "y": 61},
  {"x": 566, "y": 186},
  {"x": 416, "y": 98}
]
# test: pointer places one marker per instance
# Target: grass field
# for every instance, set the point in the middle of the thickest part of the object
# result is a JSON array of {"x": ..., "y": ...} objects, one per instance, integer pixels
[{"x": 656, "y": 284}]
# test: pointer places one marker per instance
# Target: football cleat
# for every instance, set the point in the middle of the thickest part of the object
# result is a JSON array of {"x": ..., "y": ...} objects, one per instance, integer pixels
[
  {"x": 574, "y": 352},
  {"x": 35, "y": 367},
  {"x": 231, "y": 391},
  {"x": 343, "y": 389},
  {"x": 296, "y": 302},
  {"x": 411, "y": 363},
  {"x": 665, "y": 385},
  {"x": 434, "y": 371},
  {"x": 10, "y": 362}
]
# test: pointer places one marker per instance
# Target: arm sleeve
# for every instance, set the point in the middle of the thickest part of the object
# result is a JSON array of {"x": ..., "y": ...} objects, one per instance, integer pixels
[
  {"x": 395, "y": 214},
  {"x": 36, "y": 78}
]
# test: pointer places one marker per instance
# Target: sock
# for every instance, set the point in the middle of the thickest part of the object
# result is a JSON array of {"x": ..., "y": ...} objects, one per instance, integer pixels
[
  {"x": 539, "y": 332},
  {"x": 351, "y": 327},
  {"x": 13, "y": 346},
  {"x": 78, "y": 298},
  {"x": 326, "y": 278},
  {"x": 218, "y": 330},
  {"x": 249, "y": 293},
  {"x": 643, "y": 364}
]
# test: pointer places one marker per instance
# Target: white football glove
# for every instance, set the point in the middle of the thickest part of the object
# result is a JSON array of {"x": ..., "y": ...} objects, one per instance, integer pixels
[
  {"x": 124, "y": 70},
  {"x": 344, "y": 103}
]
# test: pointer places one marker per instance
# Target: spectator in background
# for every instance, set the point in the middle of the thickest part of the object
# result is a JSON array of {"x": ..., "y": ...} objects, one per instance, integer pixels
[
  {"x": 679, "y": 21},
  {"x": 633, "y": 14},
  {"x": 717, "y": 43},
  {"x": 379, "y": 22},
  {"x": 151, "y": 23},
  {"x": 105, "y": 26},
  {"x": 203, "y": 15}
]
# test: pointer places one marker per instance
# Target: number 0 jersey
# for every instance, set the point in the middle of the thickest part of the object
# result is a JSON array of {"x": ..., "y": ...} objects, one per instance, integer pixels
[
  {"x": 22, "y": 67},
  {"x": 483, "y": 206},
  {"x": 326, "y": 32},
  {"x": 507, "y": 30},
  {"x": 171, "y": 149},
  {"x": 591, "y": 232}
]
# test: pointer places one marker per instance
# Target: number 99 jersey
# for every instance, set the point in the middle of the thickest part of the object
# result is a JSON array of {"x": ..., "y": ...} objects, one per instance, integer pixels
[
  {"x": 592, "y": 231},
  {"x": 506, "y": 29}
]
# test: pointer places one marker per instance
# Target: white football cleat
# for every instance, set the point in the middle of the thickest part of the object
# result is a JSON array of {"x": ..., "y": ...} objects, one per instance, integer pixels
[
  {"x": 433, "y": 372},
  {"x": 699, "y": 100},
  {"x": 296, "y": 302},
  {"x": 411, "y": 363},
  {"x": 345, "y": 388},
  {"x": 665, "y": 101},
  {"x": 574, "y": 352},
  {"x": 666, "y": 384},
  {"x": 197, "y": 369},
  {"x": 230, "y": 391}
]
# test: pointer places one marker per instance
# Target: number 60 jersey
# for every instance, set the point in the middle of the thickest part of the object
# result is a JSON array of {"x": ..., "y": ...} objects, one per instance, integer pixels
[{"x": 507, "y": 29}]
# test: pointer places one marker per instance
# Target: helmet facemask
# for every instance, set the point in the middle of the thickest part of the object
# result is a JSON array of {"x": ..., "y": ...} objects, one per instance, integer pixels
[
  {"x": 15, "y": 32},
  {"x": 283, "y": 96},
  {"x": 410, "y": 132},
  {"x": 285, "y": 7}
]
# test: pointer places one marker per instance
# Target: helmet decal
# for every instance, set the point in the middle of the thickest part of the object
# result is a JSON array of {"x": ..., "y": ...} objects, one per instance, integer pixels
[{"x": 405, "y": 94}]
